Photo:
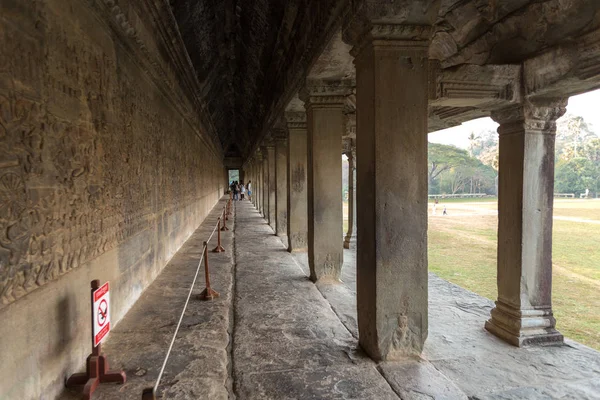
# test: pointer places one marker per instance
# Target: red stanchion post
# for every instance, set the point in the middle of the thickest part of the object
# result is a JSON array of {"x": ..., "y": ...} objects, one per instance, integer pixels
[
  {"x": 224, "y": 227},
  {"x": 208, "y": 293},
  {"x": 226, "y": 211},
  {"x": 219, "y": 248},
  {"x": 229, "y": 207},
  {"x": 96, "y": 365}
]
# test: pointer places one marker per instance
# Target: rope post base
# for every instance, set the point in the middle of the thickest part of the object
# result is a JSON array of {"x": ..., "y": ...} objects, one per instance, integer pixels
[
  {"x": 148, "y": 394},
  {"x": 219, "y": 248},
  {"x": 208, "y": 293},
  {"x": 96, "y": 367}
]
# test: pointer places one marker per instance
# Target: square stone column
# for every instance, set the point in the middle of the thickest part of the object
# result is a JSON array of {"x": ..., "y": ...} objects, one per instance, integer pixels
[
  {"x": 264, "y": 193},
  {"x": 324, "y": 102},
  {"x": 391, "y": 145},
  {"x": 251, "y": 177},
  {"x": 281, "y": 177},
  {"x": 271, "y": 187},
  {"x": 523, "y": 313},
  {"x": 259, "y": 181},
  {"x": 256, "y": 182},
  {"x": 297, "y": 185},
  {"x": 350, "y": 238}
]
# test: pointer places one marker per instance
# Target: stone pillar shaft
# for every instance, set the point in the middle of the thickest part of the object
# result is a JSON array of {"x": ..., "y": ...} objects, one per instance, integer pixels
[
  {"x": 281, "y": 177},
  {"x": 523, "y": 313},
  {"x": 392, "y": 111},
  {"x": 325, "y": 122},
  {"x": 297, "y": 185},
  {"x": 257, "y": 184},
  {"x": 250, "y": 179},
  {"x": 271, "y": 187},
  {"x": 350, "y": 238},
  {"x": 265, "y": 186}
]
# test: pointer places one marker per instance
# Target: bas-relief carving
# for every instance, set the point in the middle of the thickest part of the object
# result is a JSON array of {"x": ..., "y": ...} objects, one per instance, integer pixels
[
  {"x": 89, "y": 156},
  {"x": 328, "y": 265},
  {"x": 299, "y": 240}
]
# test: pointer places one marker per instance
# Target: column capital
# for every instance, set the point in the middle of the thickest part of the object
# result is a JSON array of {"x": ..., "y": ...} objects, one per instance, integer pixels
[
  {"x": 296, "y": 119},
  {"x": 534, "y": 116},
  {"x": 267, "y": 144},
  {"x": 326, "y": 92},
  {"x": 279, "y": 134},
  {"x": 372, "y": 20}
]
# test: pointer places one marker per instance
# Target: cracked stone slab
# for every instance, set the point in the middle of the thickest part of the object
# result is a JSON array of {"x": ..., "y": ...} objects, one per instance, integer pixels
[{"x": 415, "y": 379}]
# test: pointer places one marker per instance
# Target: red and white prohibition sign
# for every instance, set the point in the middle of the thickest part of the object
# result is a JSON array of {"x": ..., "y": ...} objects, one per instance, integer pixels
[{"x": 101, "y": 313}]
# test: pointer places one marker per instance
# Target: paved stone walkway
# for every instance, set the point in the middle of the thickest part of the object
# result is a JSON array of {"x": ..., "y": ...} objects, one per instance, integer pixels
[
  {"x": 288, "y": 343},
  {"x": 275, "y": 335}
]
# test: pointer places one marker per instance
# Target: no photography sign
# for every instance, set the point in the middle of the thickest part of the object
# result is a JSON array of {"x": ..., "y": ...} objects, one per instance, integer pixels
[{"x": 101, "y": 314}]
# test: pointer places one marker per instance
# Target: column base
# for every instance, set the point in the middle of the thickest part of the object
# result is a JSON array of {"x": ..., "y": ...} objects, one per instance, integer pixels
[
  {"x": 523, "y": 327},
  {"x": 349, "y": 241},
  {"x": 297, "y": 243},
  {"x": 325, "y": 267}
]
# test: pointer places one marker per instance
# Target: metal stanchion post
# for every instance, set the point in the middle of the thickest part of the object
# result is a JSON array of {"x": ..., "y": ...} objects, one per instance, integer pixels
[
  {"x": 224, "y": 227},
  {"x": 208, "y": 293},
  {"x": 219, "y": 248}
]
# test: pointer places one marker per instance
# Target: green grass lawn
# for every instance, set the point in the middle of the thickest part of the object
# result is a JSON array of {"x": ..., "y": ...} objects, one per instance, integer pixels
[{"x": 462, "y": 250}]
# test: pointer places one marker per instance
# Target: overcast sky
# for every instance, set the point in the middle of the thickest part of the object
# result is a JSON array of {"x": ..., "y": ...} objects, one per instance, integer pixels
[{"x": 586, "y": 105}]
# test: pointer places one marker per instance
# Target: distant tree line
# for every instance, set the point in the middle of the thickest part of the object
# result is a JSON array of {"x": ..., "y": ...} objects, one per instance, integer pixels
[{"x": 456, "y": 171}]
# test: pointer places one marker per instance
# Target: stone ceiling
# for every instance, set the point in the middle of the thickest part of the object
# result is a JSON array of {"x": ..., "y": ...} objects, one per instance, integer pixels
[{"x": 250, "y": 56}]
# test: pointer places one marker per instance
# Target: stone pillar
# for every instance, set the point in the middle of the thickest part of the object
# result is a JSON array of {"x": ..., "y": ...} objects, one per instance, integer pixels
[
  {"x": 272, "y": 186},
  {"x": 256, "y": 189},
  {"x": 265, "y": 184},
  {"x": 350, "y": 238},
  {"x": 523, "y": 312},
  {"x": 281, "y": 177},
  {"x": 391, "y": 145},
  {"x": 324, "y": 107},
  {"x": 258, "y": 185},
  {"x": 296, "y": 188},
  {"x": 250, "y": 176},
  {"x": 261, "y": 182}
]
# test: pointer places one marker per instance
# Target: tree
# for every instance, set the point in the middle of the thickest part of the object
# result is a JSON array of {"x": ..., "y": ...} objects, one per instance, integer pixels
[
  {"x": 572, "y": 133},
  {"x": 452, "y": 170},
  {"x": 576, "y": 175},
  {"x": 591, "y": 150},
  {"x": 473, "y": 143},
  {"x": 490, "y": 157},
  {"x": 443, "y": 157}
]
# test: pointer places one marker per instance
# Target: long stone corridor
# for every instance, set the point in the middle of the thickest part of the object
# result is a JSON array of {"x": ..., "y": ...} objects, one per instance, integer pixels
[{"x": 273, "y": 334}]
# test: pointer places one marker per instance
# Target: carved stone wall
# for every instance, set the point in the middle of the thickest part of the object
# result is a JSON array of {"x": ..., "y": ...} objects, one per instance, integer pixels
[{"x": 100, "y": 151}]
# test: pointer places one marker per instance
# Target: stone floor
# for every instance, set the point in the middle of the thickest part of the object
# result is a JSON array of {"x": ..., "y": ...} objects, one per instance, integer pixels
[{"x": 274, "y": 335}]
